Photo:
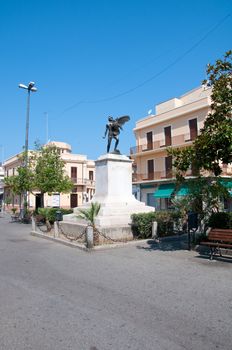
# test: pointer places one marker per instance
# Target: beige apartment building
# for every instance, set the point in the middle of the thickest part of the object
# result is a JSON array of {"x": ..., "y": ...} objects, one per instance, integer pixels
[
  {"x": 177, "y": 123},
  {"x": 1, "y": 184},
  {"x": 77, "y": 167}
]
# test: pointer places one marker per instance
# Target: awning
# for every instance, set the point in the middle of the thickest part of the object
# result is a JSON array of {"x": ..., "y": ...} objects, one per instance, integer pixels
[
  {"x": 183, "y": 191},
  {"x": 164, "y": 191},
  {"x": 227, "y": 184}
]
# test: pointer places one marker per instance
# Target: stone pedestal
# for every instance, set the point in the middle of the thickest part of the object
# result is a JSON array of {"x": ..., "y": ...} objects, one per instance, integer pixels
[{"x": 114, "y": 192}]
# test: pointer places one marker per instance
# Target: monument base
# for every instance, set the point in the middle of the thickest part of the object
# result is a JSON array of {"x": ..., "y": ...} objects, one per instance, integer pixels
[{"x": 114, "y": 193}]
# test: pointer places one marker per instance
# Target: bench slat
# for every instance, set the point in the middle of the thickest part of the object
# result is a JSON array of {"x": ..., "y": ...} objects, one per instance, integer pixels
[
  {"x": 219, "y": 238},
  {"x": 221, "y": 229}
]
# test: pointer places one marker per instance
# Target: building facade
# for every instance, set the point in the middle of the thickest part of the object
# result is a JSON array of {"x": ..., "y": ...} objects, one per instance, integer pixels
[
  {"x": 1, "y": 184},
  {"x": 77, "y": 167},
  {"x": 177, "y": 123}
]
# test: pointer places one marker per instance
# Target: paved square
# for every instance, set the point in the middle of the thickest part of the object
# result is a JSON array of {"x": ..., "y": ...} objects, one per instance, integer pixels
[{"x": 138, "y": 297}]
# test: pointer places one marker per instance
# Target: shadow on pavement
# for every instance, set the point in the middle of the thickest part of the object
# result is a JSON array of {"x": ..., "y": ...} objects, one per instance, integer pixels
[
  {"x": 166, "y": 244},
  {"x": 217, "y": 258},
  {"x": 204, "y": 254}
]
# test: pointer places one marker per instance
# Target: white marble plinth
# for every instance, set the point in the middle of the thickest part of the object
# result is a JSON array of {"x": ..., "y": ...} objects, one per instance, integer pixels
[{"x": 114, "y": 192}]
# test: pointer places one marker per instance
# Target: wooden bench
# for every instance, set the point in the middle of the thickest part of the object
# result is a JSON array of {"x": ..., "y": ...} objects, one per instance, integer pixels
[{"x": 218, "y": 238}]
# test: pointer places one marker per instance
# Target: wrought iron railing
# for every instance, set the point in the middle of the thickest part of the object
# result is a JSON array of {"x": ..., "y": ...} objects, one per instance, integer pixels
[
  {"x": 175, "y": 141},
  {"x": 82, "y": 181}
]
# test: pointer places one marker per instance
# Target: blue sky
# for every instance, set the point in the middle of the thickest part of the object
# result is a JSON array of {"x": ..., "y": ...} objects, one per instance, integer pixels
[{"x": 95, "y": 58}]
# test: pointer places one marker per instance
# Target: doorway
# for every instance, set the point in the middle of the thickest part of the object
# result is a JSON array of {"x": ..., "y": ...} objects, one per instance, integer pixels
[
  {"x": 73, "y": 200},
  {"x": 38, "y": 201}
]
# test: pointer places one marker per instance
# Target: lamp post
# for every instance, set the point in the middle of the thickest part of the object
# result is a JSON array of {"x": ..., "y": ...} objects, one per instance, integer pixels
[{"x": 29, "y": 88}]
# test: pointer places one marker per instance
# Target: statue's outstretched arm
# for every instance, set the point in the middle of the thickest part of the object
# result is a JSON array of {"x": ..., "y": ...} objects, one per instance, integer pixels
[{"x": 106, "y": 131}]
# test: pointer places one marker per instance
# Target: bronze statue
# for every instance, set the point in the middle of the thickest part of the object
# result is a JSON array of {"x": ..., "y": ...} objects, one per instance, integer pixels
[{"x": 113, "y": 130}]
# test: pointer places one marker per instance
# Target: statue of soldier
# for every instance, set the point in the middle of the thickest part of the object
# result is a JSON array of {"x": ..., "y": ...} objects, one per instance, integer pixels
[{"x": 113, "y": 130}]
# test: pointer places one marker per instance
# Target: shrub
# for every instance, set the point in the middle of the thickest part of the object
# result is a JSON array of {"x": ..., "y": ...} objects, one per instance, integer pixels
[
  {"x": 220, "y": 220},
  {"x": 165, "y": 222},
  {"x": 50, "y": 213},
  {"x": 142, "y": 223}
]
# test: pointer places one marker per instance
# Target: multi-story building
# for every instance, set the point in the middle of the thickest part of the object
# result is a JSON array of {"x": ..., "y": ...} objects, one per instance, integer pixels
[
  {"x": 1, "y": 184},
  {"x": 77, "y": 167},
  {"x": 177, "y": 123}
]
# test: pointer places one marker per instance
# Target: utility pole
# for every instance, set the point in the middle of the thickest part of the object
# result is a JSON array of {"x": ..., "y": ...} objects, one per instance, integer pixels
[{"x": 29, "y": 88}]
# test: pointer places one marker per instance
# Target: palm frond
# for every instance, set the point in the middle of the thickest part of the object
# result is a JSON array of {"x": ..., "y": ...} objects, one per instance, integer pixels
[{"x": 90, "y": 213}]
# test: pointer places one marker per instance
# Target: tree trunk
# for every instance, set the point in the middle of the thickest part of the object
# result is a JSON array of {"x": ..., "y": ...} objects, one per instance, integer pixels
[
  {"x": 42, "y": 200},
  {"x": 20, "y": 201}
]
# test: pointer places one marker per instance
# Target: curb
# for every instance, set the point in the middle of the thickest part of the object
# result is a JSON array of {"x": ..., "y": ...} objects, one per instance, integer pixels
[{"x": 58, "y": 240}]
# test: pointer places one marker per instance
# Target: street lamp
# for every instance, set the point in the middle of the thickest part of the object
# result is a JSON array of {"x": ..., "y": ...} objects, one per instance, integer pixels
[{"x": 29, "y": 88}]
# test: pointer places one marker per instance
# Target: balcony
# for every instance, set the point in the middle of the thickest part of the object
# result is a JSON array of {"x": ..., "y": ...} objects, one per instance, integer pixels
[
  {"x": 83, "y": 182},
  {"x": 157, "y": 175},
  {"x": 160, "y": 175},
  {"x": 179, "y": 140},
  {"x": 89, "y": 183}
]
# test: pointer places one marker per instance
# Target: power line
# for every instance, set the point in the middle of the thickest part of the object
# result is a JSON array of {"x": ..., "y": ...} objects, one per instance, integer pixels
[{"x": 178, "y": 59}]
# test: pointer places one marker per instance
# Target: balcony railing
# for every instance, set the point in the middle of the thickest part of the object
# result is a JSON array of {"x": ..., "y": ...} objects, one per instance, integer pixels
[
  {"x": 175, "y": 141},
  {"x": 81, "y": 181},
  {"x": 157, "y": 175}
]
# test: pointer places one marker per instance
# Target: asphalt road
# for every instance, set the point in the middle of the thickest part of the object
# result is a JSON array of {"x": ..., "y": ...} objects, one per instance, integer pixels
[{"x": 137, "y": 297}]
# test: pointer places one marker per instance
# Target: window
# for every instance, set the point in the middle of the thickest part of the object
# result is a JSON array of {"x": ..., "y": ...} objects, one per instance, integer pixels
[
  {"x": 150, "y": 169},
  {"x": 74, "y": 174},
  {"x": 151, "y": 199},
  {"x": 149, "y": 140},
  {"x": 168, "y": 136},
  {"x": 168, "y": 166},
  {"x": 193, "y": 128},
  {"x": 90, "y": 175}
]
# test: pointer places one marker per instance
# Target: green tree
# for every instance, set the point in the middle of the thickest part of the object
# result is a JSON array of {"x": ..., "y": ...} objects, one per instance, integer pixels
[
  {"x": 49, "y": 172},
  {"x": 23, "y": 180},
  {"x": 214, "y": 144},
  {"x": 203, "y": 197}
]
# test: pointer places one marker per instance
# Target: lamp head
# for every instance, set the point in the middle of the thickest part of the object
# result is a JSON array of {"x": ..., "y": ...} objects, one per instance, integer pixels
[
  {"x": 31, "y": 84},
  {"x": 22, "y": 86},
  {"x": 30, "y": 87}
]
